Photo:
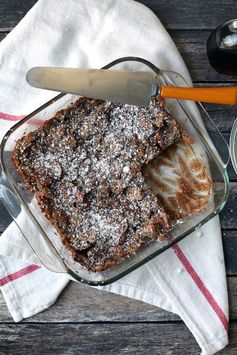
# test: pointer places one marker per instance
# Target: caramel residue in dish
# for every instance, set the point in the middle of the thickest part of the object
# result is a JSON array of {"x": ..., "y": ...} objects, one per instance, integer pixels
[
  {"x": 186, "y": 138},
  {"x": 180, "y": 180},
  {"x": 198, "y": 185},
  {"x": 162, "y": 185},
  {"x": 195, "y": 165}
]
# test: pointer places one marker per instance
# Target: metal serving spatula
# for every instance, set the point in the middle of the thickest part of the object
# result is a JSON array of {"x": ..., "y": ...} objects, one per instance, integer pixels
[{"x": 135, "y": 88}]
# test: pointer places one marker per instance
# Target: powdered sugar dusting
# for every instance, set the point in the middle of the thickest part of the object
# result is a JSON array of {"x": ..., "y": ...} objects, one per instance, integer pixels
[{"x": 85, "y": 167}]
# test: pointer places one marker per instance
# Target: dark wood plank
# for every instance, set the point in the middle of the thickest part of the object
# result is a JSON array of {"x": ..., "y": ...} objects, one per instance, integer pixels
[
  {"x": 5, "y": 218},
  {"x": 196, "y": 60},
  {"x": 189, "y": 36},
  {"x": 106, "y": 339},
  {"x": 12, "y": 11},
  {"x": 79, "y": 303},
  {"x": 3, "y": 35},
  {"x": 192, "y": 46},
  {"x": 232, "y": 292},
  {"x": 96, "y": 339},
  {"x": 223, "y": 116},
  {"x": 192, "y": 14},
  {"x": 202, "y": 14},
  {"x": 229, "y": 238},
  {"x": 229, "y": 213}
]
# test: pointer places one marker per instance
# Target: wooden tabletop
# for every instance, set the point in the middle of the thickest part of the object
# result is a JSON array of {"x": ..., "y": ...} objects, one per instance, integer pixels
[{"x": 87, "y": 321}]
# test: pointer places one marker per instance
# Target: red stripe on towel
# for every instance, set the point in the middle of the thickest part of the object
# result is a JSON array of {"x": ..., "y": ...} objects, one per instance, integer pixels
[
  {"x": 12, "y": 118},
  {"x": 189, "y": 268},
  {"x": 7, "y": 117},
  {"x": 18, "y": 274}
]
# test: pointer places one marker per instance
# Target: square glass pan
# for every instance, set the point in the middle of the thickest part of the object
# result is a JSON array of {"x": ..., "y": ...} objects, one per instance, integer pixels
[{"x": 37, "y": 230}]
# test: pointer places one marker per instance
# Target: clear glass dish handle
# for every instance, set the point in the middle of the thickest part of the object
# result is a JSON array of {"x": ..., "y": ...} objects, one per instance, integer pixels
[
  {"x": 8, "y": 199},
  {"x": 45, "y": 256}
]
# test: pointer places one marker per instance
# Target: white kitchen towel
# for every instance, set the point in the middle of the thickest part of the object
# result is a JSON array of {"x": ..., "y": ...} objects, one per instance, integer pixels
[{"x": 188, "y": 279}]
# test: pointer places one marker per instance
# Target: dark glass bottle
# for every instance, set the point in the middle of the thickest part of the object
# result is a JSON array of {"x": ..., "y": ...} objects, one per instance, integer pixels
[{"x": 222, "y": 48}]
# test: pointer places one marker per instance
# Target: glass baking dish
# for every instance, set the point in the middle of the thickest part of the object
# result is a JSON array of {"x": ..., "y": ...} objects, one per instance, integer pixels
[{"x": 38, "y": 231}]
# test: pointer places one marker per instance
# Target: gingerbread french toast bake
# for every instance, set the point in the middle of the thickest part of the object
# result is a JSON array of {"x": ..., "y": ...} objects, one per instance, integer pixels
[{"x": 84, "y": 166}]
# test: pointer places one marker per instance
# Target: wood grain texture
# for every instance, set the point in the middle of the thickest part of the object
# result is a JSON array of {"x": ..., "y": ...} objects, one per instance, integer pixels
[
  {"x": 228, "y": 215},
  {"x": 187, "y": 14},
  {"x": 5, "y": 218},
  {"x": 195, "y": 57},
  {"x": 229, "y": 238},
  {"x": 98, "y": 339},
  {"x": 191, "y": 14},
  {"x": 3, "y": 35},
  {"x": 193, "y": 48},
  {"x": 136, "y": 338},
  {"x": 81, "y": 304},
  {"x": 12, "y": 11},
  {"x": 223, "y": 116}
]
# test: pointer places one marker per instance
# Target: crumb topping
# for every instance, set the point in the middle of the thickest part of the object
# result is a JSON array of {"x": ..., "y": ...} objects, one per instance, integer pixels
[{"x": 84, "y": 166}]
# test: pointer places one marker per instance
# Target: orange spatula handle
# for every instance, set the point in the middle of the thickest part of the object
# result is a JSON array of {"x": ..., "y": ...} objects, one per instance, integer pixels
[{"x": 224, "y": 95}]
